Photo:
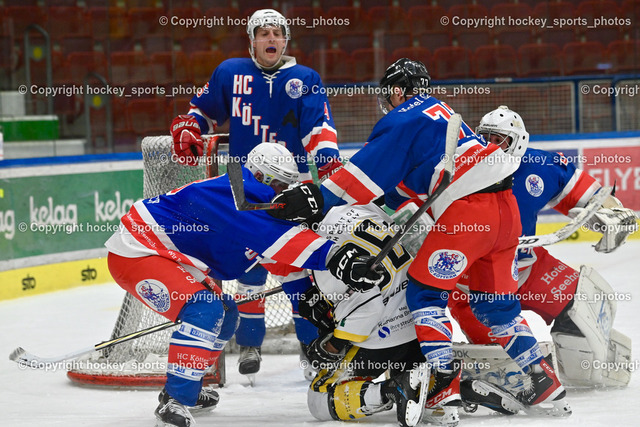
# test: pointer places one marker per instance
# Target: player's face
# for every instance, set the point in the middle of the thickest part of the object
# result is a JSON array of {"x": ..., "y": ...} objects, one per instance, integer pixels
[
  {"x": 268, "y": 45},
  {"x": 278, "y": 186},
  {"x": 501, "y": 141}
]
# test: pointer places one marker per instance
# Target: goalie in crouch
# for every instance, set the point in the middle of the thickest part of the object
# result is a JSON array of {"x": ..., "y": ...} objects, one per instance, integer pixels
[
  {"x": 170, "y": 246},
  {"x": 582, "y": 322}
]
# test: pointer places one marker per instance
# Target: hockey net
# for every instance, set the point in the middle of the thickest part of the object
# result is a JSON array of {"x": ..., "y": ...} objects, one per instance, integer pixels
[{"x": 142, "y": 362}]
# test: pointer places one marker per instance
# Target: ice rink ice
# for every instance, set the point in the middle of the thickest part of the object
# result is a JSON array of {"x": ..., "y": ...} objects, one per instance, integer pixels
[{"x": 60, "y": 322}]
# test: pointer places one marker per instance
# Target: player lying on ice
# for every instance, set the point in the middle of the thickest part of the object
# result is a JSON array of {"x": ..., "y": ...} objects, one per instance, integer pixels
[
  {"x": 169, "y": 247},
  {"x": 263, "y": 99},
  {"x": 582, "y": 318},
  {"x": 405, "y": 152}
]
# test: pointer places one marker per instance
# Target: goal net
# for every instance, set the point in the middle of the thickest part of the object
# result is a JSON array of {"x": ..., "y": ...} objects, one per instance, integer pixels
[{"x": 142, "y": 362}]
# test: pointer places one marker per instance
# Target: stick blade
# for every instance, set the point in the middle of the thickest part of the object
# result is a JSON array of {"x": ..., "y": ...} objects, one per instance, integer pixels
[
  {"x": 17, "y": 355},
  {"x": 451, "y": 142}
]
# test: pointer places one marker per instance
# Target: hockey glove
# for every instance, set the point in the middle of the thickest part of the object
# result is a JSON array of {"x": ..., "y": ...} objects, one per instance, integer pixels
[
  {"x": 352, "y": 264},
  {"x": 322, "y": 358},
  {"x": 316, "y": 309},
  {"x": 302, "y": 203},
  {"x": 187, "y": 141},
  {"x": 329, "y": 169}
]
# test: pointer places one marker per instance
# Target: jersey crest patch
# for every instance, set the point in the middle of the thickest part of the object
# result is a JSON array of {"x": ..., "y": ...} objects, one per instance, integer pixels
[
  {"x": 535, "y": 185},
  {"x": 155, "y": 294},
  {"x": 447, "y": 264},
  {"x": 294, "y": 88}
]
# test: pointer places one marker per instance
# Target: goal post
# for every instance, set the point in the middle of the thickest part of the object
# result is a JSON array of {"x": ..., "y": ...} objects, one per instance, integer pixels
[{"x": 142, "y": 362}]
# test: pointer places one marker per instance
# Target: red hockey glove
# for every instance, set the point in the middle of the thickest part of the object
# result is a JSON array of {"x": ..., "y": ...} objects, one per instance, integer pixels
[
  {"x": 329, "y": 169},
  {"x": 187, "y": 141}
]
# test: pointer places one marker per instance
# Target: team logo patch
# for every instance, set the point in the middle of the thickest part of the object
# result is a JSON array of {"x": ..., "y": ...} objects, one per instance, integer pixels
[
  {"x": 535, "y": 185},
  {"x": 514, "y": 268},
  {"x": 447, "y": 264},
  {"x": 294, "y": 88},
  {"x": 155, "y": 294}
]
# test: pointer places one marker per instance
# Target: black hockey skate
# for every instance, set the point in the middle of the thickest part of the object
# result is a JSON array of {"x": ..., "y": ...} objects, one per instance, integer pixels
[
  {"x": 545, "y": 395},
  {"x": 170, "y": 412},
  {"x": 443, "y": 399},
  {"x": 249, "y": 362},
  {"x": 405, "y": 391},
  {"x": 207, "y": 399},
  {"x": 478, "y": 392}
]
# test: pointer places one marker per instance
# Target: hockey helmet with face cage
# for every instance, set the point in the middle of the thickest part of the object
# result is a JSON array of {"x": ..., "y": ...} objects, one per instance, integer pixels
[
  {"x": 409, "y": 75},
  {"x": 506, "y": 123},
  {"x": 266, "y": 18},
  {"x": 274, "y": 162}
]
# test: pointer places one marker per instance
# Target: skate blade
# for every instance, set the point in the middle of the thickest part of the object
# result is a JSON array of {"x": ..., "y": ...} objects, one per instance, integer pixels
[
  {"x": 252, "y": 379},
  {"x": 419, "y": 377},
  {"x": 445, "y": 416},
  {"x": 556, "y": 408},
  {"x": 507, "y": 402}
]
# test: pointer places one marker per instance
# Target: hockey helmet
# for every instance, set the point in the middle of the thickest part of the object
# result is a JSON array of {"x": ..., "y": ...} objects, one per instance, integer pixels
[
  {"x": 274, "y": 162},
  {"x": 506, "y": 123},
  {"x": 266, "y": 18},
  {"x": 409, "y": 75}
]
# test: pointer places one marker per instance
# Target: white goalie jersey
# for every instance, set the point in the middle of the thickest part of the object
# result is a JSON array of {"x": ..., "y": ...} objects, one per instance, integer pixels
[{"x": 379, "y": 317}]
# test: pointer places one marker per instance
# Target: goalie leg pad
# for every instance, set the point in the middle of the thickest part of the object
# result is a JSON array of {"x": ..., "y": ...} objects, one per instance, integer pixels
[{"x": 583, "y": 353}]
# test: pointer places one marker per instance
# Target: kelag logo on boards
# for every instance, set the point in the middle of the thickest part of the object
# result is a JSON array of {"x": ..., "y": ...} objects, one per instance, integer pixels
[
  {"x": 110, "y": 209},
  {"x": 8, "y": 224},
  {"x": 52, "y": 214}
]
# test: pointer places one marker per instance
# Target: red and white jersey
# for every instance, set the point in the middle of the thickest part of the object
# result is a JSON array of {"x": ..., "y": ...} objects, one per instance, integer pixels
[{"x": 405, "y": 154}]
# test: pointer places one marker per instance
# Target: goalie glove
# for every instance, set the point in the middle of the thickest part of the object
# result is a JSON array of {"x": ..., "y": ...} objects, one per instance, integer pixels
[
  {"x": 313, "y": 307},
  {"x": 352, "y": 265},
  {"x": 187, "y": 141},
  {"x": 614, "y": 222},
  {"x": 302, "y": 203}
]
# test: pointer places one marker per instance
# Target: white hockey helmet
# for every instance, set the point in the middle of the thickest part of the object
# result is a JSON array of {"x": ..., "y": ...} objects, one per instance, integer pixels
[
  {"x": 274, "y": 162},
  {"x": 506, "y": 123},
  {"x": 266, "y": 18}
]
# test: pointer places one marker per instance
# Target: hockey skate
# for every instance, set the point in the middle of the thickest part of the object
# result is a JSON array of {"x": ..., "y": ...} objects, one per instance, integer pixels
[
  {"x": 249, "y": 362},
  {"x": 170, "y": 412},
  {"x": 443, "y": 399},
  {"x": 308, "y": 370},
  {"x": 405, "y": 390},
  {"x": 545, "y": 395},
  {"x": 207, "y": 399},
  {"x": 479, "y": 392}
]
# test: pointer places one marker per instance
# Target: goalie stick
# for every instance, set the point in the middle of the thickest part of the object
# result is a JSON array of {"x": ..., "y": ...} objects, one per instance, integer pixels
[
  {"x": 30, "y": 360},
  {"x": 451, "y": 143},
  {"x": 589, "y": 211},
  {"x": 234, "y": 171}
]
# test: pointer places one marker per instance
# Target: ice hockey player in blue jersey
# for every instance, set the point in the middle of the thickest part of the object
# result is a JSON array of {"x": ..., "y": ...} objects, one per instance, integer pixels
[
  {"x": 170, "y": 247},
  {"x": 547, "y": 286},
  {"x": 265, "y": 98}
]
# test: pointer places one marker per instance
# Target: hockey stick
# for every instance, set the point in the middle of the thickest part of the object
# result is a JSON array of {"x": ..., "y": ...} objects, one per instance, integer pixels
[
  {"x": 234, "y": 170},
  {"x": 30, "y": 360},
  {"x": 451, "y": 143},
  {"x": 589, "y": 211}
]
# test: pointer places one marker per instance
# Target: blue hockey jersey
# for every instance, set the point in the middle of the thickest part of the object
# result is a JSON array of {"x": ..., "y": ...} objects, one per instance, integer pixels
[
  {"x": 288, "y": 106},
  {"x": 198, "y": 225},
  {"x": 405, "y": 153}
]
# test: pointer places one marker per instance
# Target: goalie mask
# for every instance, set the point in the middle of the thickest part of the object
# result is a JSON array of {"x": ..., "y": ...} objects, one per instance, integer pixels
[
  {"x": 265, "y": 18},
  {"x": 506, "y": 124},
  {"x": 274, "y": 162},
  {"x": 410, "y": 76}
]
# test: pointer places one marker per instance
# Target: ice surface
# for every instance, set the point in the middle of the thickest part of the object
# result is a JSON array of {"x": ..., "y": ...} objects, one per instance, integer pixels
[{"x": 60, "y": 322}]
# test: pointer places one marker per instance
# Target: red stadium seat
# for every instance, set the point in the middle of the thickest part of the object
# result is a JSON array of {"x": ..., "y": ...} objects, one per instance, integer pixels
[
  {"x": 514, "y": 37},
  {"x": 169, "y": 68},
  {"x": 155, "y": 43},
  {"x": 344, "y": 19},
  {"x": 554, "y": 10},
  {"x": 230, "y": 42},
  {"x": 76, "y": 44},
  {"x": 369, "y": 64},
  {"x": 192, "y": 44},
  {"x": 129, "y": 68},
  {"x": 421, "y": 54},
  {"x": 147, "y": 117},
  {"x": 109, "y": 23},
  {"x": 495, "y": 61},
  {"x": 583, "y": 58},
  {"x": 80, "y": 64},
  {"x": 333, "y": 65},
  {"x": 352, "y": 41},
  {"x": 624, "y": 56},
  {"x": 539, "y": 59},
  {"x": 468, "y": 10},
  {"x": 66, "y": 21},
  {"x": 202, "y": 64},
  {"x": 310, "y": 42},
  {"x": 23, "y": 16},
  {"x": 387, "y": 18},
  {"x": 451, "y": 62},
  {"x": 144, "y": 21},
  {"x": 393, "y": 40},
  {"x": 473, "y": 38}
]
